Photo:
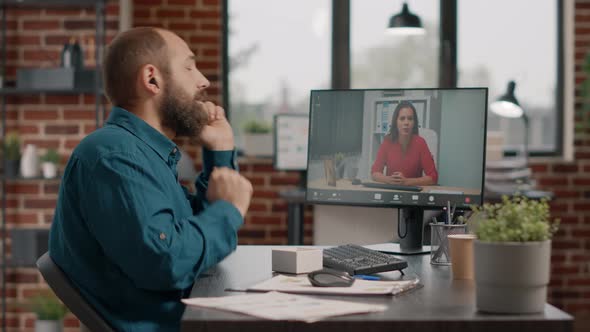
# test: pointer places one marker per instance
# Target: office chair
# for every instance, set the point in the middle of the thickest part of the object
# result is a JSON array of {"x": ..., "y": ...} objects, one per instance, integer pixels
[{"x": 63, "y": 288}]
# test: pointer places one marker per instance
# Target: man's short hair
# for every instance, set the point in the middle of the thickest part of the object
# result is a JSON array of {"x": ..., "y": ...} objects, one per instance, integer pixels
[{"x": 124, "y": 57}]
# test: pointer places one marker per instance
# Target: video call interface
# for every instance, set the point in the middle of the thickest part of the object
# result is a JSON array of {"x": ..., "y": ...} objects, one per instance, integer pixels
[{"x": 418, "y": 147}]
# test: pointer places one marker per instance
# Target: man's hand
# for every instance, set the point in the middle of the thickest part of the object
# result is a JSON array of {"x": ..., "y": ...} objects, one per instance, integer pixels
[
  {"x": 229, "y": 185},
  {"x": 217, "y": 134}
]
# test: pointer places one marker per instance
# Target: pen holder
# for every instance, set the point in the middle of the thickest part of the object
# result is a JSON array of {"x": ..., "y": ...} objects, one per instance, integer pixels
[{"x": 440, "y": 254}]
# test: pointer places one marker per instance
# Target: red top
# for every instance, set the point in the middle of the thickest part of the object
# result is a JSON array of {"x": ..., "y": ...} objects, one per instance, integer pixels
[{"x": 417, "y": 159}]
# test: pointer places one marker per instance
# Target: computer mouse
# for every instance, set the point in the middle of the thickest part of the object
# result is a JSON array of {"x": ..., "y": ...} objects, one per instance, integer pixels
[
  {"x": 356, "y": 181},
  {"x": 330, "y": 278}
]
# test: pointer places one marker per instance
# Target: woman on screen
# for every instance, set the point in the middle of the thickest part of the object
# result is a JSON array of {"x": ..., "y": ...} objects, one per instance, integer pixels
[{"x": 404, "y": 153}]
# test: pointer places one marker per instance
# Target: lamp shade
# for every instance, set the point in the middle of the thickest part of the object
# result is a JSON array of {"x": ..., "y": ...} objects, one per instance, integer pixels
[
  {"x": 405, "y": 23},
  {"x": 507, "y": 105}
]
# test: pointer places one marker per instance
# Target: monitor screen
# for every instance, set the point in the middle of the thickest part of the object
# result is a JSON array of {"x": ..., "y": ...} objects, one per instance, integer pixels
[
  {"x": 397, "y": 147},
  {"x": 290, "y": 135}
]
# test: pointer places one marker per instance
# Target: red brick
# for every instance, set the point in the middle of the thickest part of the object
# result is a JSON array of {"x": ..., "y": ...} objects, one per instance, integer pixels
[
  {"x": 56, "y": 39},
  {"x": 22, "y": 188},
  {"x": 211, "y": 52},
  {"x": 566, "y": 244},
  {"x": 79, "y": 115},
  {"x": 165, "y": 13},
  {"x": 147, "y": 2},
  {"x": 89, "y": 129},
  {"x": 581, "y": 258},
  {"x": 262, "y": 168},
  {"x": 22, "y": 218},
  {"x": 284, "y": 180},
  {"x": 552, "y": 180},
  {"x": 258, "y": 207},
  {"x": 569, "y": 220},
  {"x": 204, "y": 40},
  {"x": 251, "y": 233},
  {"x": 61, "y": 100},
  {"x": 79, "y": 24},
  {"x": 40, "y": 25},
  {"x": 41, "y": 55},
  {"x": 279, "y": 207},
  {"x": 265, "y": 220},
  {"x": 40, "y": 115},
  {"x": 564, "y": 270},
  {"x": 40, "y": 203},
  {"x": 539, "y": 168},
  {"x": 581, "y": 182},
  {"x": 182, "y": 26},
  {"x": 22, "y": 277},
  {"x": 205, "y": 14},
  {"x": 211, "y": 2},
  {"x": 24, "y": 40},
  {"x": 182, "y": 2},
  {"x": 578, "y": 233},
  {"x": 579, "y": 282},
  {"x": 282, "y": 234},
  {"x": 141, "y": 13},
  {"x": 582, "y": 155},
  {"x": 63, "y": 12},
  {"x": 265, "y": 193},
  {"x": 567, "y": 194},
  {"x": 23, "y": 129},
  {"x": 565, "y": 168},
  {"x": 62, "y": 129},
  {"x": 43, "y": 143}
]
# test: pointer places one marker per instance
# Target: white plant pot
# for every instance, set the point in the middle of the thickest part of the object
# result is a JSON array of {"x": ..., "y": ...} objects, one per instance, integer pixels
[
  {"x": 260, "y": 145},
  {"x": 48, "y": 326},
  {"x": 511, "y": 277},
  {"x": 49, "y": 170},
  {"x": 29, "y": 162}
]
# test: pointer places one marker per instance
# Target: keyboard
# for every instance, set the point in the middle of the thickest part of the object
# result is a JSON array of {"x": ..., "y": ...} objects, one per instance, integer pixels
[
  {"x": 391, "y": 186},
  {"x": 355, "y": 259}
]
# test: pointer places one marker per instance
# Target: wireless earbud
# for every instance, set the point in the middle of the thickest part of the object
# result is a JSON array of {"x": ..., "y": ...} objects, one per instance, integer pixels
[{"x": 153, "y": 81}]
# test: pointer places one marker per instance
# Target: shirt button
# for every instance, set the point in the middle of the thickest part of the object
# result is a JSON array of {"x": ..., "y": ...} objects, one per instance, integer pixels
[
  {"x": 162, "y": 236},
  {"x": 174, "y": 151}
]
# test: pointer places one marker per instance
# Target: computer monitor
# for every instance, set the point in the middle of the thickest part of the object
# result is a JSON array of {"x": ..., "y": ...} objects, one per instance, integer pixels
[
  {"x": 411, "y": 149},
  {"x": 290, "y": 136}
]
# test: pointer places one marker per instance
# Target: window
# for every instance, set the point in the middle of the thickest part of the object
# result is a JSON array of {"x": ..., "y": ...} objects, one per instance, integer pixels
[
  {"x": 278, "y": 51},
  {"x": 379, "y": 60},
  {"x": 505, "y": 40}
]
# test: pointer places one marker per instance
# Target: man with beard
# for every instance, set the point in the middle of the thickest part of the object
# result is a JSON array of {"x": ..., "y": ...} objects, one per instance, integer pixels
[{"x": 125, "y": 232}]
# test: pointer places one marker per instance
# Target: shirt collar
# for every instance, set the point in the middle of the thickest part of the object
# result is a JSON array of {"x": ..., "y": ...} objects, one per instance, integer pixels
[{"x": 148, "y": 134}]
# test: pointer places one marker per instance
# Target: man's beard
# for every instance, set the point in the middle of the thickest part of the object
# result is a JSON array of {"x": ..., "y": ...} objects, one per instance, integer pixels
[{"x": 183, "y": 114}]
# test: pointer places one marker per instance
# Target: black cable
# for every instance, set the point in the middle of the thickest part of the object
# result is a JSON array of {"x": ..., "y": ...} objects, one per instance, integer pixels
[{"x": 399, "y": 221}]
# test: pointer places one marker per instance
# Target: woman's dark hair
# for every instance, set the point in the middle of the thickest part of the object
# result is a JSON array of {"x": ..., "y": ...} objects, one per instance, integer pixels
[{"x": 393, "y": 132}]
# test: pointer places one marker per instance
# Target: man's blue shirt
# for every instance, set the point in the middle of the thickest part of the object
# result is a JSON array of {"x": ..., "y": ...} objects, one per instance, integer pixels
[{"x": 127, "y": 234}]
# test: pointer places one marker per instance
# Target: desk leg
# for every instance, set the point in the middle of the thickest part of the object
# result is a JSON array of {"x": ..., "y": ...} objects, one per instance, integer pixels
[{"x": 295, "y": 223}]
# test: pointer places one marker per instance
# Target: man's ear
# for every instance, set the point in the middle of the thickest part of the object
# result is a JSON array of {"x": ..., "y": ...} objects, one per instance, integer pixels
[{"x": 150, "y": 79}]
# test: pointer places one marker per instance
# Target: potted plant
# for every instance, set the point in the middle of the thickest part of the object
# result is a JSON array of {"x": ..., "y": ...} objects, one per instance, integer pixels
[
  {"x": 12, "y": 154},
  {"x": 50, "y": 312},
  {"x": 258, "y": 139},
  {"x": 49, "y": 162},
  {"x": 512, "y": 254}
]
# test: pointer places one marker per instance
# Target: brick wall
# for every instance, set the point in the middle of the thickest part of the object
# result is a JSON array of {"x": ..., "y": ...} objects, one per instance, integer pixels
[{"x": 35, "y": 39}]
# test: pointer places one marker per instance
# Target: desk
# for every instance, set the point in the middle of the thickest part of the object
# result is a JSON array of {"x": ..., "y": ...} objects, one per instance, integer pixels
[{"x": 441, "y": 305}]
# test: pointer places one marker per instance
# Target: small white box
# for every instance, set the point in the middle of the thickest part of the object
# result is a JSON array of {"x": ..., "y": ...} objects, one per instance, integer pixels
[{"x": 297, "y": 260}]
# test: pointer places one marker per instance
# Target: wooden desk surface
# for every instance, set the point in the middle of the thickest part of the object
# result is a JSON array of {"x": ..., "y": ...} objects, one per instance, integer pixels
[
  {"x": 442, "y": 304},
  {"x": 344, "y": 184}
]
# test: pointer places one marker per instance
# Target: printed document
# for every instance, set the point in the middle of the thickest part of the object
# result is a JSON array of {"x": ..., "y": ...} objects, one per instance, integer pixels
[{"x": 281, "y": 306}]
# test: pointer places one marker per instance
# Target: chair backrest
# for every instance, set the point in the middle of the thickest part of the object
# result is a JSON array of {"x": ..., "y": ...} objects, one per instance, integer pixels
[
  {"x": 431, "y": 139},
  {"x": 65, "y": 290}
]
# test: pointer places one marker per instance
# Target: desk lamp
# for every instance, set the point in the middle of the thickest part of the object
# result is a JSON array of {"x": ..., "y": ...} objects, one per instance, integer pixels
[
  {"x": 507, "y": 106},
  {"x": 405, "y": 23}
]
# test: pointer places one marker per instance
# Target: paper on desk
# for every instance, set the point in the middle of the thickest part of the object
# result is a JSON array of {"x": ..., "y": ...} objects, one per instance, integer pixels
[
  {"x": 301, "y": 285},
  {"x": 280, "y": 306}
]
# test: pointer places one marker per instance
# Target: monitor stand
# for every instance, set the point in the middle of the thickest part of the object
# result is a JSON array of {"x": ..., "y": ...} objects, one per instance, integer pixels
[{"x": 409, "y": 229}]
